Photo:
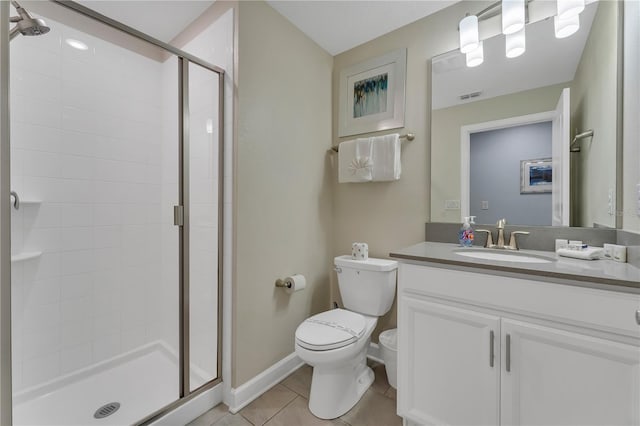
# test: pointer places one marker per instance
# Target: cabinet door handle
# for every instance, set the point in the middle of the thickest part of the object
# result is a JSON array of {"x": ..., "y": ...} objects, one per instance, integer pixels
[
  {"x": 491, "y": 339},
  {"x": 508, "y": 349}
]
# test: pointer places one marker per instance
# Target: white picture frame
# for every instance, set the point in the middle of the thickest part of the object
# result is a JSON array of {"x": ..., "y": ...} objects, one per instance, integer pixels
[
  {"x": 372, "y": 94},
  {"x": 536, "y": 176}
]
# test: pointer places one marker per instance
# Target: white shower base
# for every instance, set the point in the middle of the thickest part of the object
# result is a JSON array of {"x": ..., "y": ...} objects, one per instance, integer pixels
[{"x": 142, "y": 381}]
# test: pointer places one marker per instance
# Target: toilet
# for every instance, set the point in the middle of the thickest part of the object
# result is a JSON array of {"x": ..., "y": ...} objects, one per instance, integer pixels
[{"x": 335, "y": 342}]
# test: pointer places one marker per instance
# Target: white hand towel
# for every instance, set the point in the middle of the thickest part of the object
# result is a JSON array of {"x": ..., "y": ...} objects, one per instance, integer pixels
[
  {"x": 354, "y": 161},
  {"x": 386, "y": 158},
  {"x": 590, "y": 253}
]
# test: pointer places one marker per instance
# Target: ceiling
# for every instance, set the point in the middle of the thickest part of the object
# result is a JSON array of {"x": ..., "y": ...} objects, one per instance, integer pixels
[
  {"x": 160, "y": 19},
  {"x": 336, "y": 26}
]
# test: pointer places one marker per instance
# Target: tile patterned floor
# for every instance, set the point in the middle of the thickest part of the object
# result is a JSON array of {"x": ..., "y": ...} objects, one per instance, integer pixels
[{"x": 287, "y": 404}]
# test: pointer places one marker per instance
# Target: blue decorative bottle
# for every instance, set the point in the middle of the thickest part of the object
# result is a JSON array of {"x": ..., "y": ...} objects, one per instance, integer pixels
[{"x": 465, "y": 235}]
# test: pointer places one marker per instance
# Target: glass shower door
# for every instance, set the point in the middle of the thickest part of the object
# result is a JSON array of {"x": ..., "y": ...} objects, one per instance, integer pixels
[{"x": 204, "y": 205}]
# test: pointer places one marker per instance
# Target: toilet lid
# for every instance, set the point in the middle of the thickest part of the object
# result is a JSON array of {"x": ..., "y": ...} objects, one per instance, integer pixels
[{"x": 330, "y": 330}]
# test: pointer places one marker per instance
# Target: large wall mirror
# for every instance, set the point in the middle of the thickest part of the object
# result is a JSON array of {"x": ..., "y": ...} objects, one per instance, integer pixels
[{"x": 502, "y": 133}]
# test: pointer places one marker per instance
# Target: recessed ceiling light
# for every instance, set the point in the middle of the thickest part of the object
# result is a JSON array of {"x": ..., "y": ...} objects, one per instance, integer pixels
[{"x": 76, "y": 44}]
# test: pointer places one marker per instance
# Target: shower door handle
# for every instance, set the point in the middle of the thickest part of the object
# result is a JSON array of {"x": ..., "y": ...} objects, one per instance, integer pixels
[{"x": 178, "y": 215}]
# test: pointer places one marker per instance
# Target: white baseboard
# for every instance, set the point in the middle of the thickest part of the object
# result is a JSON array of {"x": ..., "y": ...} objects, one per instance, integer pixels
[
  {"x": 374, "y": 353},
  {"x": 192, "y": 409},
  {"x": 244, "y": 394},
  {"x": 247, "y": 392}
]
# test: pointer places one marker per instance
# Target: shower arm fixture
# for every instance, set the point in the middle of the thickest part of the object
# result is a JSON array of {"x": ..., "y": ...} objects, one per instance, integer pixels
[
  {"x": 25, "y": 23},
  {"x": 21, "y": 11},
  {"x": 13, "y": 33}
]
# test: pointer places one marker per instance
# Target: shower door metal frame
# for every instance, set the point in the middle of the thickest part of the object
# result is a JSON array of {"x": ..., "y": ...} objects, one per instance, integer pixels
[
  {"x": 184, "y": 58},
  {"x": 5, "y": 224},
  {"x": 185, "y": 229}
]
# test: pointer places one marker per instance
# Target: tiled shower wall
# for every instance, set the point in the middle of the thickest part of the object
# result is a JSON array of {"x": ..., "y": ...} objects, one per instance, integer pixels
[{"x": 86, "y": 143}]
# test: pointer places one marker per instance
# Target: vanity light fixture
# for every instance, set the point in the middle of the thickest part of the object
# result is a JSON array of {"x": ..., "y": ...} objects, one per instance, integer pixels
[
  {"x": 476, "y": 56},
  {"x": 569, "y": 8},
  {"x": 513, "y": 16},
  {"x": 515, "y": 44},
  {"x": 469, "y": 37},
  {"x": 566, "y": 27}
]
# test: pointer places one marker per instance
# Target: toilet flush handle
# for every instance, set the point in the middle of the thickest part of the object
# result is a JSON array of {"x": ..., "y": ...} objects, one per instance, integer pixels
[{"x": 337, "y": 269}]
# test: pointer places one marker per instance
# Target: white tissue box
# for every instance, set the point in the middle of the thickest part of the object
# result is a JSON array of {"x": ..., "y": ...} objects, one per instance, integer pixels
[{"x": 360, "y": 251}]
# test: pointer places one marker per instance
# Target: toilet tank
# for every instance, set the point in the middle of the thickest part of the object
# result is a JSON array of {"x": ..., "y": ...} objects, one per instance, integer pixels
[{"x": 367, "y": 286}]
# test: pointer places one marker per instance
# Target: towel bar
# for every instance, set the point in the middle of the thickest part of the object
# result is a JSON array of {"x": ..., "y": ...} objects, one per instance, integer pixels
[{"x": 408, "y": 136}]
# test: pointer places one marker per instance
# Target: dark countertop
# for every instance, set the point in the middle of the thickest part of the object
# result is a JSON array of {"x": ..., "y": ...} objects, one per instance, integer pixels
[{"x": 603, "y": 272}]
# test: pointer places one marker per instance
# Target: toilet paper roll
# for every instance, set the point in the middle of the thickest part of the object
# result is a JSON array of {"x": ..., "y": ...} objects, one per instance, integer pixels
[
  {"x": 360, "y": 251},
  {"x": 295, "y": 283}
]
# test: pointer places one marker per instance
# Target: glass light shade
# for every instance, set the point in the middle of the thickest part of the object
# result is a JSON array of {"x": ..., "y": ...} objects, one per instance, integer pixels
[
  {"x": 512, "y": 16},
  {"x": 476, "y": 56},
  {"x": 569, "y": 8},
  {"x": 566, "y": 27},
  {"x": 515, "y": 44},
  {"x": 469, "y": 34}
]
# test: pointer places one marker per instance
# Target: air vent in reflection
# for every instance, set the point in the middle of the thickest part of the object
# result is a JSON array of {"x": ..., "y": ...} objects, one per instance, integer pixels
[{"x": 471, "y": 95}]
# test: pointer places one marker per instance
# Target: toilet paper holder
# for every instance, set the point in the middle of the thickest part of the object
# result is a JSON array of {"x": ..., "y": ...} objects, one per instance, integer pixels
[
  {"x": 282, "y": 283},
  {"x": 293, "y": 283}
]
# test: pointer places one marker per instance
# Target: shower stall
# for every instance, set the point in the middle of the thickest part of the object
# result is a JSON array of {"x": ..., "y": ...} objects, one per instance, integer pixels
[{"x": 116, "y": 189}]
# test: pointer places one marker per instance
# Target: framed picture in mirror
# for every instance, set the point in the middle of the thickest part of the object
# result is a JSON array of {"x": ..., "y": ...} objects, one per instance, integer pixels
[
  {"x": 372, "y": 94},
  {"x": 535, "y": 176}
]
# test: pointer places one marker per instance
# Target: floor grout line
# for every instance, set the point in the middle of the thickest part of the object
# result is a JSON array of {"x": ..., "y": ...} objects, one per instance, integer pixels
[
  {"x": 250, "y": 422},
  {"x": 285, "y": 406}
]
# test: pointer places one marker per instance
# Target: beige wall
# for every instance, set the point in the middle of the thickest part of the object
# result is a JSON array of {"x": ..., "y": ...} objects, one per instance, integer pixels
[
  {"x": 445, "y": 144},
  {"x": 593, "y": 106},
  {"x": 283, "y": 196},
  {"x": 391, "y": 215}
]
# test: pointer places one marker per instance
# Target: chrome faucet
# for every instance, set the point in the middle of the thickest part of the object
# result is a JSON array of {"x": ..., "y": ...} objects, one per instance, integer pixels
[
  {"x": 513, "y": 242},
  {"x": 500, "y": 225}
]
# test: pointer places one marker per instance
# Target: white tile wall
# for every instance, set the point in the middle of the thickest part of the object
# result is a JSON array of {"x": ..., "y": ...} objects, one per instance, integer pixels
[
  {"x": 94, "y": 138},
  {"x": 86, "y": 142}
]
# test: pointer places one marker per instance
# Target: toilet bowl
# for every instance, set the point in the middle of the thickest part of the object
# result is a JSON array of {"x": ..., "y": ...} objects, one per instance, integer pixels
[{"x": 335, "y": 342}]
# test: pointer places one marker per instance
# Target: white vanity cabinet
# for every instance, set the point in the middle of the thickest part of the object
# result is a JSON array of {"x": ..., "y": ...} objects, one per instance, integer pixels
[{"x": 482, "y": 349}]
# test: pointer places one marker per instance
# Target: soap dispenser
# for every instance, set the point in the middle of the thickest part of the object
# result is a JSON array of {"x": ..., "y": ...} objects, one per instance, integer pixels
[{"x": 465, "y": 235}]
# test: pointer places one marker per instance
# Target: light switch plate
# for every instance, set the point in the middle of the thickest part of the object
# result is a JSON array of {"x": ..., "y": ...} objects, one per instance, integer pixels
[
  {"x": 610, "y": 202},
  {"x": 452, "y": 205},
  {"x": 484, "y": 205}
]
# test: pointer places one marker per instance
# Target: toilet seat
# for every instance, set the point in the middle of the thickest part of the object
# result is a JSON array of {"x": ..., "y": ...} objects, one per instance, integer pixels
[{"x": 330, "y": 330}]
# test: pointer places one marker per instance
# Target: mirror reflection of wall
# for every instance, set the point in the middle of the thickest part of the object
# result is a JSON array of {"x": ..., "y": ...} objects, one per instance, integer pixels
[
  {"x": 497, "y": 192},
  {"x": 503, "y": 88}
]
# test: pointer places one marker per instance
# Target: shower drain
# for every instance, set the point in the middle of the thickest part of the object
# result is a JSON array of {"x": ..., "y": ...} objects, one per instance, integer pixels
[{"x": 106, "y": 410}]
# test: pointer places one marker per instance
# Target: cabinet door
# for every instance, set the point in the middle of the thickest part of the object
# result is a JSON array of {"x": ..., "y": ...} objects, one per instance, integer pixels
[
  {"x": 556, "y": 377},
  {"x": 446, "y": 372}
]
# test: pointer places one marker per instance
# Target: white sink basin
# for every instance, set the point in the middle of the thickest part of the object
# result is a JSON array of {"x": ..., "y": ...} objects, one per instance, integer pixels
[{"x": 503, "y": 257}]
